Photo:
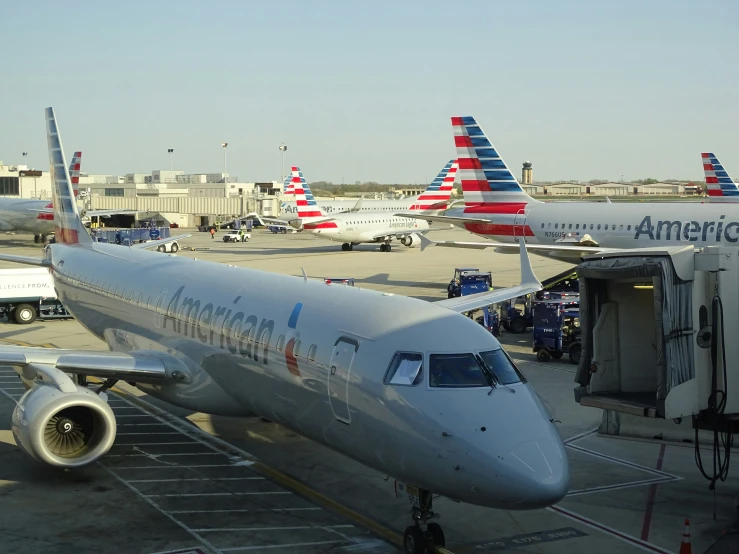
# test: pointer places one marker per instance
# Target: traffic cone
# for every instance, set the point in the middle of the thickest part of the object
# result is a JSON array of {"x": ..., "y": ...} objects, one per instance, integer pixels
[{"x": 685, "y": 547}]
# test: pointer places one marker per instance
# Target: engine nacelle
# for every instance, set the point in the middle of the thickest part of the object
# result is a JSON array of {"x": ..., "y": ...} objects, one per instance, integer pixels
[
  {"x": 63, "y": 429},
  {"x": 411, "y": 241}
]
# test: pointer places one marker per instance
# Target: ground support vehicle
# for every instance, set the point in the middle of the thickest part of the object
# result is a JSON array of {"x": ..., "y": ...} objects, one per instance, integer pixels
[
  {"x": 557, "y": 329},
  {"x": 28, "y": 294}
]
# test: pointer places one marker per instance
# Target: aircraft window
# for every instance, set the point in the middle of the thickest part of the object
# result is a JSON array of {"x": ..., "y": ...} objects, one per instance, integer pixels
[
  {"x": 312, "y": 352},
  {"x": 296, "y": 348},
  {"x": 542, "y": 225},
  {"x": 570, "y": 227},
  {"x": 456, "y": 370},
  {"x": 628, "y": 227},
  {"x": 502, "y": 366},
  {"x": 280, "y": 342},
  {"x": 591, "y": 226},
  {"x": 549, "y": 225},
  {"x": 620, "y": 227},
  {"x": 598, "y": 226},
  {"x": 406, "y": 368},
  {"x": 556, "y": 225},
  {"x": 577, "y": 226}
]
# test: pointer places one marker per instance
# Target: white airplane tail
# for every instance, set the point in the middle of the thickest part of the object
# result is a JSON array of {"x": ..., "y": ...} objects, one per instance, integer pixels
[
  {"x": 68, "y": 225},
  {"x": 721, "y": 187},
  {"x": 310, "y": 214}
]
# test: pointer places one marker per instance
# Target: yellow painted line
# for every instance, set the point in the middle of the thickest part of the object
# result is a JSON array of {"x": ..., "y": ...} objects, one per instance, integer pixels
[{"x": 17, "y": 342}]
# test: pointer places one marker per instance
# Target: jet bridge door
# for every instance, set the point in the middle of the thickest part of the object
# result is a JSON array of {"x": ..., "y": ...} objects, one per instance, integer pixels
[
  {"x": 605, "y": 351},
  {"x": 339, "y": 371}
]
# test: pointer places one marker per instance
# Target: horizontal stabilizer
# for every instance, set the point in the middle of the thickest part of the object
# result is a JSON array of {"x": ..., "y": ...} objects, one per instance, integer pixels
[
  {"x": 529, "y": 284},
  {"x": 25, "y": 260},
  {"x": 443, "y": 218},
  {"x": 155, "y": 243}
]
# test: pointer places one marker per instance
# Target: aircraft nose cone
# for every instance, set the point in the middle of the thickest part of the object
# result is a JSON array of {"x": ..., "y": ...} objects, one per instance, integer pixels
[{"x": 544, "y": 472}]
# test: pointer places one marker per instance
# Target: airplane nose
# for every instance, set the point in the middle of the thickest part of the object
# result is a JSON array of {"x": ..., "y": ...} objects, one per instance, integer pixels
[{"x": 544, "y": 472}]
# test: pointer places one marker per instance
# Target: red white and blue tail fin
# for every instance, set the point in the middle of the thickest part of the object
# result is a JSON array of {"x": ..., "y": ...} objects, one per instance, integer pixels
[
  {"x": 305, "y": 203},
  {"x": 288, "y": 188},
  {"x": 69, "y": 228},
  {"x": 439, "y": 192},
  {"x": 74, "y": 172},
  {"x": 488, "y": 186},
  {"x": 721, "y": 187}
]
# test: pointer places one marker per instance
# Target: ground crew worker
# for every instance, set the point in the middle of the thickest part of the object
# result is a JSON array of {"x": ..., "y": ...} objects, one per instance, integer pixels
[{"x": 212, "y": 232}]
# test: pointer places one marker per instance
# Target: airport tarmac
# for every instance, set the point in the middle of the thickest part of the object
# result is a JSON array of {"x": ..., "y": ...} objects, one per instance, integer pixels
[{"x": 182, "y": 481}]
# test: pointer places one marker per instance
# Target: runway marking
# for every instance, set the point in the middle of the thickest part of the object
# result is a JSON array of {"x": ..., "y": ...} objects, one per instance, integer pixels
[
  {"x": 619, "y": 486},
  {"x": 151, "y": 443},
  {"x": 608, "y": 530},
  {"x": 147, "y": 455},
  {"x": 650, "y": 498},
  {"x": 174, "y": 520},
  {"x": 290, "y": 528},
  {"x": 167, "y": 466},
  {"x": 196, "y": 479},
  {"x": 150, "y": 433},
  {"x": 291, "y": 545},
  {"x": 187, "y": 494},
  {"x": 244, "y": 510}
]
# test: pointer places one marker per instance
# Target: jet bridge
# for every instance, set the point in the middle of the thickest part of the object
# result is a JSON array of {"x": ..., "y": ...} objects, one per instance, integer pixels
[{"x": 658, "y": 328}]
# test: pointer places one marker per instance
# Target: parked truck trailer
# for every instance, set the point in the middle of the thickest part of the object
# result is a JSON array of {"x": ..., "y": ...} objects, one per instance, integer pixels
[{"x": 28, "y": 294}]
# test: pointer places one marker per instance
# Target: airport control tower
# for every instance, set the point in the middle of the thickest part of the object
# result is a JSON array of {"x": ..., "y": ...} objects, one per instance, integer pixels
[{"x": 527, "y": 173}]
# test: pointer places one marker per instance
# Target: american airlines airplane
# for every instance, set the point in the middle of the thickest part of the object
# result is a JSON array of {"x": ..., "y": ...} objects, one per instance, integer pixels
[
  {"x": 37, "y": 216},
  {"x": 497, "y": 208},
  {"x": 435, "y": 197},
  {"x": 234, "y": 341},
  {"x": 352, "y": 229}
]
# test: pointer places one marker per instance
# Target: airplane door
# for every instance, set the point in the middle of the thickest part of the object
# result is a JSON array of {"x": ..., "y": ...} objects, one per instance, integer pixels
[
  {"x": 339, "y": 370},
  {"x": 607, "y": 378},
  {"x": 519, "y": 225}
]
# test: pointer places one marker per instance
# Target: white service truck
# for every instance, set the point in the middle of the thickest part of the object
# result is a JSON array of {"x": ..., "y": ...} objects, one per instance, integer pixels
[{"x": 27, "y": 294}]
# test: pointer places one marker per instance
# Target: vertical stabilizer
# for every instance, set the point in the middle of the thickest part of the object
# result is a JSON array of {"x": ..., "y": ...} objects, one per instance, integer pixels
[
  {"x": 487, "y": 183},
  {"x": 74, "y": 172},
  {"x": 68, "y": 226},
  {"x": 439, "y": 192},
  {"x": 721, "y": 187}
]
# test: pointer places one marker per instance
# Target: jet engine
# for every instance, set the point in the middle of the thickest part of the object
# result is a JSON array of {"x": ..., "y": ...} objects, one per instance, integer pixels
[
  {"x": 63, "y": 429},
  {"x": 411, "y": 241}
]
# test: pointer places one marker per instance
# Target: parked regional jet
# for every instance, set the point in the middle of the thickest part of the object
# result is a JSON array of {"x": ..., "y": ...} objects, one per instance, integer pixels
[
  {"x": 351, "y": 229},
  {"x": 435, "y": 197},
  {"x": 37, "y": 216},
  {"x": 233, "y": 341},
  {"x": 497, "y": 208},
  {"x": 721, "y": 187}
]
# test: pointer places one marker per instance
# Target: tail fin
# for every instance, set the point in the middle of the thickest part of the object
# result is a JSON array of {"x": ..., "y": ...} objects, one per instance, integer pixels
[
  {"x": 69, "y": 228},
  {"x": 438, "y": 193},
  {"x": 721, "y": 187},
  {"x": 306, "y": 205},
  {"x": 74, "y": 172},
  {"x": 488, "y": 186},
  {"x": 288, "y": 189}
]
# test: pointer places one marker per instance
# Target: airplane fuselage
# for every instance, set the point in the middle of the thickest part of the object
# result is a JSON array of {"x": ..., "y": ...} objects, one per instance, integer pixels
[
  {"x": 289, "y": 208},
  {"x": 16, "y": 214},
  {"x": 615, "y": 225},
  {"x": 258, "y": 342},
  {"x": 368, "y": 227}
]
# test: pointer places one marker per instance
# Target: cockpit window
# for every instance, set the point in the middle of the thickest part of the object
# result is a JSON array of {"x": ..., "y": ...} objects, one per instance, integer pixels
[
  {"x": 405, "y": 369},
  {"x": 456, "y": 370},
  {"x": 502, "y": 366}
]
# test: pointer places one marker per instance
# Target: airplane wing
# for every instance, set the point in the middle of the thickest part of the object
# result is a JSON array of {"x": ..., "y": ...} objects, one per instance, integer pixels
[
  {"x": 106, "y": 213},
  {"x": 442, "y": 218},
  {"x": 46, "y": 364},
  {"x": 25, "y": 260},
  {"x": 529, "y": 284},
  {"x": 563, "y": 252},
  {"x": 154, "y": 243}
]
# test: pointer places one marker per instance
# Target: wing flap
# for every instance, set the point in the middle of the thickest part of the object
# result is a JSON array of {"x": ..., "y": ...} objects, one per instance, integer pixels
[
  {"x": 149, "y": 367},
  {"x": 563, "y": 252}
]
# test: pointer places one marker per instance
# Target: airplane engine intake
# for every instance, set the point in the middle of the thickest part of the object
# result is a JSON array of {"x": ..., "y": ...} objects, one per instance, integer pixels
[
  {"x": 65, "y": 430},
  {"x": 411, "y": 241}
]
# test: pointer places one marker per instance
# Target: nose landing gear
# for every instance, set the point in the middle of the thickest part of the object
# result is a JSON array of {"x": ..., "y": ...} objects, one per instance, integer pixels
[
  {"x": 423, "y": 536},
  {"x": 385, "y": 247}
]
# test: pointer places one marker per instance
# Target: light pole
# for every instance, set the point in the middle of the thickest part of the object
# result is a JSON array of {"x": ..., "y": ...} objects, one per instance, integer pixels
[
  {"x": 283, "y": 149},
  {"x": 170, "y": 151},
  {"x": 24, "y": 157},
  {"x": 225, "y": 145}
]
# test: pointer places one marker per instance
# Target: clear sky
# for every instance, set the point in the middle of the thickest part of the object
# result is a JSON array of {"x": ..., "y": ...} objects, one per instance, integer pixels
[{"x": 365, "y": 90}]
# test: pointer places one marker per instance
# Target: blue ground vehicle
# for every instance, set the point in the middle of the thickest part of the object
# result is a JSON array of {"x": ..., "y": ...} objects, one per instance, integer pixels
[
  {"x": 557, "y": 328},
  {"x": 469, "y": 280},
  {"x": 490, "y": 320}
]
